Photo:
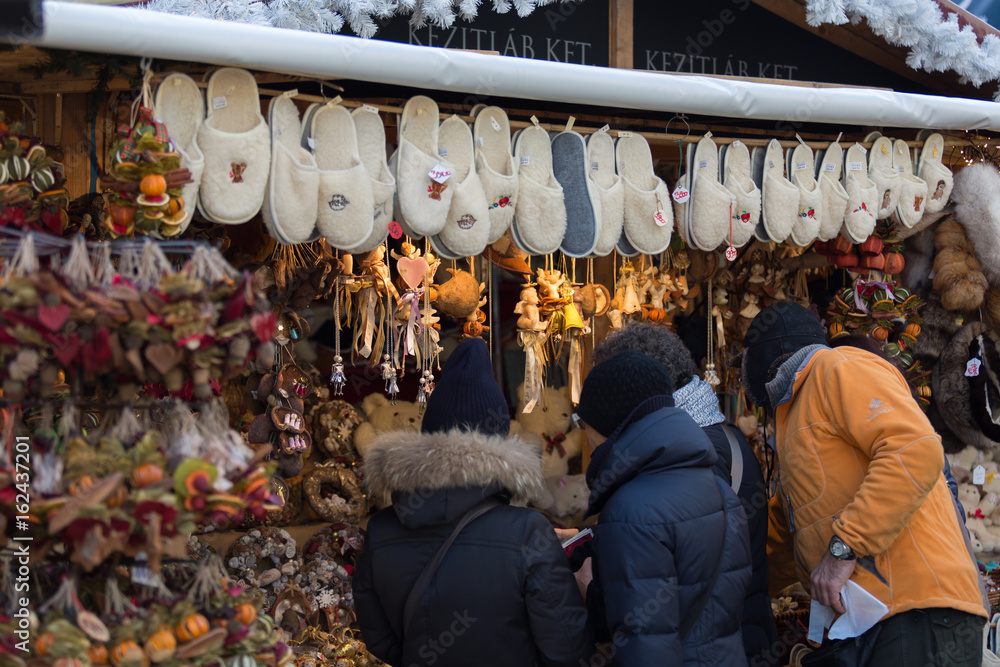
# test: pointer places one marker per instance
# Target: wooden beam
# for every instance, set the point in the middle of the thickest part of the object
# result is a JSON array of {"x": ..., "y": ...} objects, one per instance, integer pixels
[{"x": 621, "y": 44}]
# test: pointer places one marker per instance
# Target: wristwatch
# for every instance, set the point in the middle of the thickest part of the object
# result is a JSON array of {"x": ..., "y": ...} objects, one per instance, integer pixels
[{"x": 840, "y": 550}]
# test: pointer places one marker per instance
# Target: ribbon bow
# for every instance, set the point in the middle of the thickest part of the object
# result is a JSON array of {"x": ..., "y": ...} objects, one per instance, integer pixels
[
  {"x": 864, "y": 288},
  {"x": 978, "y": 514},
  {"x": 415, "y": 324},
  {"x": 555, "y": 443},
  {"x": 144, "y": 123}
]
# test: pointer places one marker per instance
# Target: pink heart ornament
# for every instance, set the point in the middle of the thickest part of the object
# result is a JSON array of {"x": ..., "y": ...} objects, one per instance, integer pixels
[
  {"x": 53, "y": 317},
  {"x": 412, "y": 271}
]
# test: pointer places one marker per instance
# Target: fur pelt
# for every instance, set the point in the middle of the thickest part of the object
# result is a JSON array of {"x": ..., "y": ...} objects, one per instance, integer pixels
[
  {"x": 919, "y": 255},
  {"x": 951, "y": 388},
  {"x": 403, "y": 461},
  {"x": 977, "y": 197},
  {"x": 958, "y": 276},
  {"x": 992, "y": 308},
  {"x": 937, "y": 329}
]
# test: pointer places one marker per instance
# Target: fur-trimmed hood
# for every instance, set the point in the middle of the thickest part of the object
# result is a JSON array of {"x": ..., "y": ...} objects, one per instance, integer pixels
[{"x": 408, "y": 462}]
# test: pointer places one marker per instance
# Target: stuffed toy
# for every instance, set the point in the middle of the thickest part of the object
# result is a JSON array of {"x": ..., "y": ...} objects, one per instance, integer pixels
[
  {"x": 549, "y": 428},
  {"x": 563, "y": 496},
  {"x": 968, "y": 495},
  {"x": 382, "y": 417}
]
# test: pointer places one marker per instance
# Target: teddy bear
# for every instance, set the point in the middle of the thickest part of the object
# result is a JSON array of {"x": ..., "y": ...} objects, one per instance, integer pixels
[
  {"x": 563, "y": 496},
  {"x": 382, "y": 417},
  {"x": 550, "y": 428},
  {"x": 968, "y": 495}
]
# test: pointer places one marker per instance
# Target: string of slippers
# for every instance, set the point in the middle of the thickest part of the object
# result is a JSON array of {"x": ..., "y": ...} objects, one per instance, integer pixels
[{"x": 326, "y": 174}]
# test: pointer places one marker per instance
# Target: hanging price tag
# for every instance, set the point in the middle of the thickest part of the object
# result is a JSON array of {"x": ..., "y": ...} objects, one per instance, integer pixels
[
  {"x": 731, "y": 253},
  {"x": 972, "y": 368},
  {"x": 604, "y": 129},
  {"x": 979, "y": 475},
  {"x": 440, "y": 173},
  {"x": 660, "y": 219},
  {"x": 680, "y": 194},
  {"x": 624, "y": 134},
  {"x": 395, "y": 231},
  {"x": 369, "y": 108}
]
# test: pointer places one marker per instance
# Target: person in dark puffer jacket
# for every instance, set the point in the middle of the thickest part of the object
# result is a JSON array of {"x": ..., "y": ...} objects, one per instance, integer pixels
[
  {"x": 504, "y": 595},
  {"x": 662, "y": 528},
  {"x": 698, "y": 399}
]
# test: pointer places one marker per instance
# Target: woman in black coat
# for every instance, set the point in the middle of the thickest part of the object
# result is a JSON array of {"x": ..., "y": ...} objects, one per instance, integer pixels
[{"x": 504, "y": 595}]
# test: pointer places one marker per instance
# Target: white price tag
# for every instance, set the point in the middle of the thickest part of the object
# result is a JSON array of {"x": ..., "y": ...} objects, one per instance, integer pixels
[
  {"x": 369, "y": 108},
  {"x": 680, "y": 194},
  {"x": 443, "y": 152},
  {"x": 829, "y": 166},
  {"x": 856, "y": 166},
  {"x": 218, "y": 102},
  {"x": 440, "y": 173},
  {"x": 495, "y": 124},
  {"x": 731, "y": 253},
  {"x": 702, "y": 164},
  {"x": 799, "y": 166},
  {"x": 770, "y": 164},
  {"x": 972, "y": 368},
  {"x": 660, "y": 219},
  {"x": 979, "y": 475},
  {"x": 624, "y": 134},
  {"x": 604, "y": 129},
  {"x": 593, "y": 166},
  {"x": 525, "y": 160}
]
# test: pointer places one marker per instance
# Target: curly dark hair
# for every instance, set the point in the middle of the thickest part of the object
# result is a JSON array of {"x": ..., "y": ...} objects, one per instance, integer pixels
[{"x": 655, "y": 341}]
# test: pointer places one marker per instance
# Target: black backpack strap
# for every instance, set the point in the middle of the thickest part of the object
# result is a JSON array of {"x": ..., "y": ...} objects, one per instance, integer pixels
[
  {"x": 424, "y": 580},
  {"x": 737, "y": 466},
  {"x": 692, "y": 616}
]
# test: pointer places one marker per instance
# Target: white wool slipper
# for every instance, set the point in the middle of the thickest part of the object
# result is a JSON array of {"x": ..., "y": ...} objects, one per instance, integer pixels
[
  {"x": 802, "y": 172},
  {"x": 649, "y": 216},
  {"x": 834, "y": 207},
  {"x": 583, "y": 204},
  {"x": 540, "y": 214},
  {"x": 496, "y": 168},
  {"x": 237, "y": 148},
  {"x": 863, "y": 197},
  {"x": 912, "y": 190},
  {"x": 712, "y": 205},
  {"x": 610, "y": 189},
  {"x": 467, "y": 229},
  {"x": 371, "y": 146},
  {"x": 345, "y": 204},
  {"x": 886, "y": 178},
  {"x": 180, "y": 106},
  {"x": 289, "y": 208},
  {"x": 737, "y": 177},
  {"x": 938, "y": 177},
  {"x": 779, "y": 197},
  {"x": 423, "y": 202}
]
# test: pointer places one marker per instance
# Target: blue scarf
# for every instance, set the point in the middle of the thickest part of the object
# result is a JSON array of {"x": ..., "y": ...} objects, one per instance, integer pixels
[{"x": 698, "y": 399}]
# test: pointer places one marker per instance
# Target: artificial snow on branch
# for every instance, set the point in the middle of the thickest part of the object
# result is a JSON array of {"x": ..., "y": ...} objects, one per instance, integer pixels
[
  {"x": 936, "y": 41},
  {"x": 331, "y": 15}
]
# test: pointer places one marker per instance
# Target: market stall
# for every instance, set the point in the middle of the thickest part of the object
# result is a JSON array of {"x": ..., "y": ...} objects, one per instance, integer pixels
[{"x": 227, "y": 270}]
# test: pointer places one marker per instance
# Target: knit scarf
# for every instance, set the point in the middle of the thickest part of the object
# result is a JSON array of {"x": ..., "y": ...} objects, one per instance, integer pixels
[
  {"x": 700, "y": 402},
  {"x": 779, "y": 389}
]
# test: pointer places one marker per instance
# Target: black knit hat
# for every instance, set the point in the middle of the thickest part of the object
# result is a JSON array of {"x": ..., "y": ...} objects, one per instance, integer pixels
[
  {"x": 467, "y": 396},
  {"x": 616, "y": 387},
  {"x": 781, "y": 328}
]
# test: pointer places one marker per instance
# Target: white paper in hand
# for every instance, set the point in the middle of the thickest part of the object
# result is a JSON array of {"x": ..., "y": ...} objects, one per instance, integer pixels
[{"x": 863, "y": 611}]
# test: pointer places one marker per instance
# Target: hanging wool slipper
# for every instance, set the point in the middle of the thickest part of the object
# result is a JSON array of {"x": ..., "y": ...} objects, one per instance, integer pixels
[
  {"x": 610, "y": 189},
  {"x": 371, "y": 146},
  {"x": 834, "y": 207},
  {"x": 345, "y": 202},
  {"x": 496, "y": 168},
  {"x": 862, "y": 197},
  {"x": 181, "y": 106},
  {"x": 802, "y": 173},
  {"x": 779, "y": 196},
  {"x": 736, "y": 176},
  {"x": 467, "y": 228},
  {"x": 711, "y": 205},
  {"x": 289, "y": 208},
  {"x": 540, "y": 213},
  {"x": 423, "y": 201},
  {"x": 912, "y": 189},
  {"x": 938, "y": 177},
  {"x": 886, "y": 178},
  {"x": 649, "y": 217},
  {"x": 237, "y": 148},
  {"x": 583, "y": 204}
]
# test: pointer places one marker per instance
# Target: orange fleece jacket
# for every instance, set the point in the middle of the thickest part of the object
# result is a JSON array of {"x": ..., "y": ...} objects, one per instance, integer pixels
[{"x": 858, "y": 458}]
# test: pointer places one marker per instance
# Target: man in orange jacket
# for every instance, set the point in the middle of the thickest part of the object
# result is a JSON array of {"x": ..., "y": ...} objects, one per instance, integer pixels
[{"x": 859, "y": 482}]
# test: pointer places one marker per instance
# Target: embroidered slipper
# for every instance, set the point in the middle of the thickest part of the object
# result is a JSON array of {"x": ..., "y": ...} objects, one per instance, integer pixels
[
  {"x": 540, "y": 212},
  {"x": 496, "y": 168},
  {"x": 610, "y": 189},
  {"x": 862, "y": 197},
  {"x": 467, "y": 228},
  {"x": 886, "y": 178},
  {"x": 371, "y": 146},
  {"x": 779, "y": 197},
  {"x": 289, "y": 208},
  {"x": 181, "y": 106},
  {"x": 711, "y": 205},
  {"x": 802, "y": 172},
  {"x": 912, "y": 190},
  {"x": 345, "y": 202},
  {"x": 834, "y": 207},
  {"x": 649, "y": 217},
  {"x": 938, "y": 177},
  {"x": 583, "y": 204},
  {"x": 422, "y": 201},
  {"x": 237, "y": 148},
  {"x": 737, "y": 178}
]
